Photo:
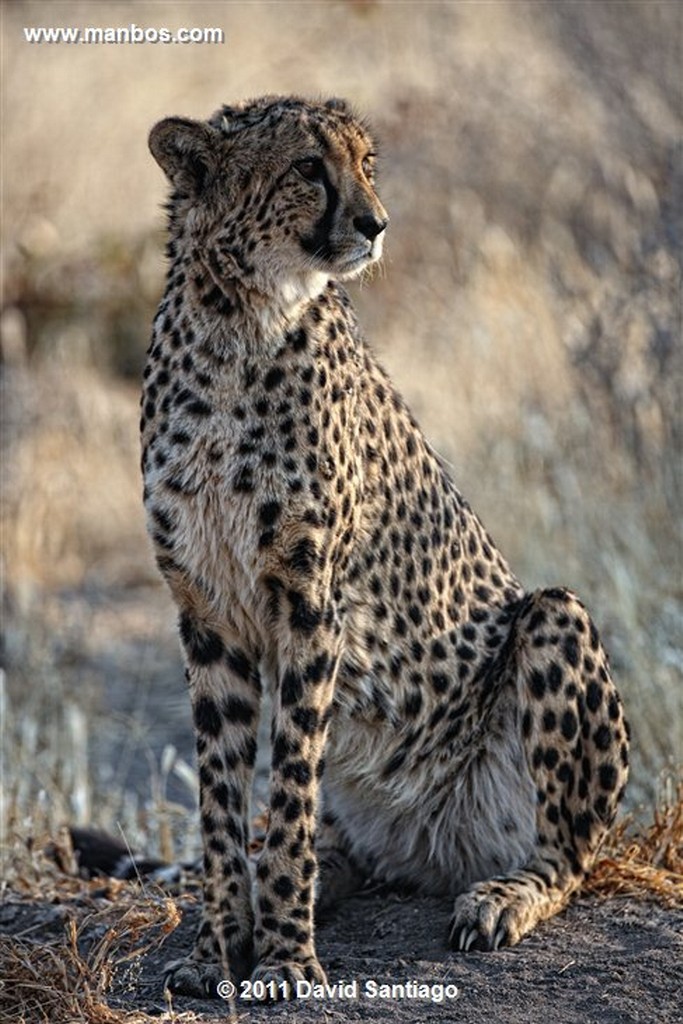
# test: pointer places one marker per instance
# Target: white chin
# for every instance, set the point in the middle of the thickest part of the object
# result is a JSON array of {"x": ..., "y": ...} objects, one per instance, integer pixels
[
  {"x": 352, "y": 268},
  {"x": 300, "y": 288}
]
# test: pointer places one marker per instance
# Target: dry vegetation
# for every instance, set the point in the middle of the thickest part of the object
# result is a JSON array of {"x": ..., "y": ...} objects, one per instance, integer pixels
[{"x": 529, "y": 309}]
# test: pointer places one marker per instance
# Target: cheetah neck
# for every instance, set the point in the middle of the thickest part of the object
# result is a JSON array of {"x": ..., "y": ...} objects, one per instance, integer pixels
[
  {"x": 276, "y": 310},
  {"x": 253, "y": 311}
]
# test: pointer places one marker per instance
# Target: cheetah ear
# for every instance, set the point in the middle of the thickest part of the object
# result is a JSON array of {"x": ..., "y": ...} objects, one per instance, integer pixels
[
  {"x": 186, "y": 152},
  {"x": 338, "y": 104}
]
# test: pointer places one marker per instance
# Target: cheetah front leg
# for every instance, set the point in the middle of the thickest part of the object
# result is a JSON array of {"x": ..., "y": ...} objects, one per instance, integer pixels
[
  {"x": 576, "y": 743},
  {"x": 225, "y": 694},
  {"x": 287, "y": 867}
]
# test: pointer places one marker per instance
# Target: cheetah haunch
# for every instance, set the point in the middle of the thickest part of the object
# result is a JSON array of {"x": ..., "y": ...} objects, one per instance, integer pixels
[{"x": 433, "y": 724}]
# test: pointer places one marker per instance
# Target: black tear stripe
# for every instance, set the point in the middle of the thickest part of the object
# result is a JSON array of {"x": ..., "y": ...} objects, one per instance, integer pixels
[{"x": 318, "y": 242}]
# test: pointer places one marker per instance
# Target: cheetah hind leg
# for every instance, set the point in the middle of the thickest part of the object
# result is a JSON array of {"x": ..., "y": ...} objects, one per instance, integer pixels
[
  {"x": 576, "y": 743},
  {"x": 339, "y": 874}
]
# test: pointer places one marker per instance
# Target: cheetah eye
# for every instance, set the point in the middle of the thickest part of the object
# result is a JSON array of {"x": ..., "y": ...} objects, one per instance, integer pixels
[
  {"x": 368, "y": 166},
  {"x": 311, "y": 169}
]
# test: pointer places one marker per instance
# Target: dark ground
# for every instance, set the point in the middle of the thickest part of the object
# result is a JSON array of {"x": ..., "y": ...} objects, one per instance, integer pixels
[{"x": 611, "y": 962}]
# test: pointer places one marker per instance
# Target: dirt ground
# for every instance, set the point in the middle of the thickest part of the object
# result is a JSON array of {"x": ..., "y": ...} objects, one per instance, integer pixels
[{"x": 601, "y": 962}]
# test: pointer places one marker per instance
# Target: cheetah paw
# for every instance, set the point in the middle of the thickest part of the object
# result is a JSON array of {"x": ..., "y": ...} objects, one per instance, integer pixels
[
  {"x": 280, "y": 979},
  {"x": 484, "y": 922},
  {"x": 193, "y": 978}
]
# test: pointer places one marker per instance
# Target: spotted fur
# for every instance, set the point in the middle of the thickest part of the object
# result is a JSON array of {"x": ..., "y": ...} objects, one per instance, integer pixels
[{"x": 433, "y": 724}]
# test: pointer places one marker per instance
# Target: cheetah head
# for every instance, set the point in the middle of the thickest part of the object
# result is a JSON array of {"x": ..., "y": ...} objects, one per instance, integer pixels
[{"x": 274, "y": 193}]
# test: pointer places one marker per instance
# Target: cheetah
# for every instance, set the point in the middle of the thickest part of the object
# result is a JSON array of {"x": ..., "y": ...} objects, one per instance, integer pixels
[{"x": 434, "y": 725}]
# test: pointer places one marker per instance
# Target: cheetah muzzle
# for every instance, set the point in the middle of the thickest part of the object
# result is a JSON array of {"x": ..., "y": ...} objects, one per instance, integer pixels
[{"x": 433, "y": 724}]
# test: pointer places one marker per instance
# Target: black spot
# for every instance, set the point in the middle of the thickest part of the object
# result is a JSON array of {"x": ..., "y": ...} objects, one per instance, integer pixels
[
  {"x": 298, "y": 771},
  {"x": 306, "y": 719},
  {"x": 282, "y": 748},
  {"x": 571, "y": 650},
  {"x": 221, "y": 796},
  {"x": 308, "y": 868},
  {"x": 273, "y": 378},
  {"x": 269, "y": 512},
  {"x": 537, "y": 684},
  {"x": 303, "y": 616},
  {"x": 297, "y": 339},
  {"x": 439, "y": 682},
  {"x": 552, "y": 814},
  {"x": 593, "y": 696},
  {"x": 243, "y": 481},
  {"x": 607, "y": 775},
  {"x": 207, "y": 717},
  {"x": 583, "y": 824},
  {"x": 198, "y": 407},
  {"x": 538, "y": 618},
  {"x": 569, "y": 725},
  {"x": 201, "y": 644},
  {"x": 554, "y": 677},
  {"x": 278, "y": 799},
  {"x": 317, "y": 670},
  {"x": 613, "y": 708},
  {"x": 238, "y": 711},
  {"x": 400, "y": 626},
  {"x": 413, "y": 704},
  {"x": 465, "y": 652},
  {"x": 304, "y": 556},
  {"x": 283, "y": 887},
  {"x": 209, "y": 825},
  {"x": 276, "y": 838},
  {"x": 238, "y": 662},
  {"x": 293, "y": 809},
  {"x": 549, "y": 720},
  {"x": 291, "y": 688},
  {"x": 602, "y": 737},
  {"x": 550, "y": 758}
]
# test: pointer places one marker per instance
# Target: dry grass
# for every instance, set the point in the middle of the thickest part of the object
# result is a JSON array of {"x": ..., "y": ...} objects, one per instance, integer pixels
[
  {"x": 107, "y": 928},
  {"x": 54, "y": 983},
  {"x": 645, "y": 863}
]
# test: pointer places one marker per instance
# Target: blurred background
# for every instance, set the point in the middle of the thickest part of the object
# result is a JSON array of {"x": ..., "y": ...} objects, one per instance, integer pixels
[{"x": 529, "y": 308}]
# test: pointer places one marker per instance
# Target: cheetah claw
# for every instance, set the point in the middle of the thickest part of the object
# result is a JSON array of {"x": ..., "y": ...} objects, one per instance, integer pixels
[
  {"x": 281, "y": 979},
  {"x": 193, "y": 978}
]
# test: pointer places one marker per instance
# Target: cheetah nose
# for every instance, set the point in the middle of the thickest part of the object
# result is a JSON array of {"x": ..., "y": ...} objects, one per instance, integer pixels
[{"x": 369, "y": 226}]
